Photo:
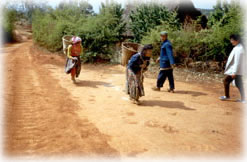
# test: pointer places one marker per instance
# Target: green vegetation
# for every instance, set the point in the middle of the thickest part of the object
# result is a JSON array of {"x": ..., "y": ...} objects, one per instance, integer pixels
[
  {"x": 102, "y": 31},
  {"x": 148, "y": 16},
  {"x": 217, "y": 39},
  {"x": 203, "y": 45},
  {"x": 9, "y": 17},
  {"x": 99, "y": 32}
]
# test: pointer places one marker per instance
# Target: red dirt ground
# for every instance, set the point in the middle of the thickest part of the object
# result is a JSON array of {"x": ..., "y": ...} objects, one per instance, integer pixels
[{"x": 46, "y": 114}]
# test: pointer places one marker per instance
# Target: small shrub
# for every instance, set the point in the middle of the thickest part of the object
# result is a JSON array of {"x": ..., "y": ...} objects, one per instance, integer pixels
[{"x": 9, "y": 17}]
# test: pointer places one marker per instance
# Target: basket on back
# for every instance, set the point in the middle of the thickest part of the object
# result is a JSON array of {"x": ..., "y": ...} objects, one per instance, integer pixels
[
  {"x": 66, "y": 42},
  {"x": 128, "y": 50}
]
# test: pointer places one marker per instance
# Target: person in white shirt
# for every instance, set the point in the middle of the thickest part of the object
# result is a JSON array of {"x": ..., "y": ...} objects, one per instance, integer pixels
[{"x": 234, "y": 70}]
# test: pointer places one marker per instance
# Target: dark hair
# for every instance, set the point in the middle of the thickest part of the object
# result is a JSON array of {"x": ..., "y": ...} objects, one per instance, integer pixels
[
  {"x": 146, "y": 47},
  {"x": 235, "y": 37}
]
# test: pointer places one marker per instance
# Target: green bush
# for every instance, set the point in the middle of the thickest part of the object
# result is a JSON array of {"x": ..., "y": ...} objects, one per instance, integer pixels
[
  {"x": 98, "y": 31},
  {"x": 102, "y": 31},
  {"x": 50, "y": 25},
  {"x": 203, "y": 45},
  {"x": 148, "y": 16},
  {"x": 217, "y": 41},
  {"x": 9, "y": 17}
]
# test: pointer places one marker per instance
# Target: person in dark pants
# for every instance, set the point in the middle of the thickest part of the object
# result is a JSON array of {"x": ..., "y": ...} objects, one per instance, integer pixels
[
  {"x": 234, "y": 69},
  {"x": 167, "y": 62}
]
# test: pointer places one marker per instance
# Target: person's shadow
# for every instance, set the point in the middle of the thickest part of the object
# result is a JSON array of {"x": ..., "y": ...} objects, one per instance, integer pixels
[
  {"x": 92, "y": 84},
  {"x": 166, "y": 104},
  {"x": 192, "y": 93}
]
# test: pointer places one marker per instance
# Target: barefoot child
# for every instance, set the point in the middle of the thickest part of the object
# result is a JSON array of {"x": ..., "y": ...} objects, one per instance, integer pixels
[{"x": 136, "y": 67}]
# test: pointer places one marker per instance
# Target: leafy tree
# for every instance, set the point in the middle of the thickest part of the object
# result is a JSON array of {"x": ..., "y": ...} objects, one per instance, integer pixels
[
  {"x": 102, "y": 31},
  {"x": 76, "y": 8},
  {"x": 218, "y": 43},
  {"x": 147, "y": 17},
  {"x": 117, "y": 11},
  {"x": 218, "y": 16}
]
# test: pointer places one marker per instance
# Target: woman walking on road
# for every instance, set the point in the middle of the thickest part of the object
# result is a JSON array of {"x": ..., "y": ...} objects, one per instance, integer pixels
[
  {"x": 73, "y": 63},
  {"x": 136, "y": 67}
]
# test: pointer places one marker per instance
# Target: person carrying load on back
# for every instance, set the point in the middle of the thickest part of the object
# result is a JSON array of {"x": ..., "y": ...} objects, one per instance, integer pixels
[
  {"x": 73, "y": 63},
  {"x": 137, "y": 65}
]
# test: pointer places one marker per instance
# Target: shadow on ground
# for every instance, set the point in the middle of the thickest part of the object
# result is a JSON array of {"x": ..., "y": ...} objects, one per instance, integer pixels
[
  {"x": 92, "y": 84},
  {"x": 192, "y": 93},
  {"x": 166, "y": 104}
]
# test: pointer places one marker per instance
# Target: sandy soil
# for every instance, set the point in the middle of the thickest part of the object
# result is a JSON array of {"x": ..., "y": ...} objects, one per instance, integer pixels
[{"x": 46, "y": 114}]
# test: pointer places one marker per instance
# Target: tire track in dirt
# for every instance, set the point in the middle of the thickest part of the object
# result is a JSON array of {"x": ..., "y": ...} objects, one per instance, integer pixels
[{"x": 40, "y": 116}]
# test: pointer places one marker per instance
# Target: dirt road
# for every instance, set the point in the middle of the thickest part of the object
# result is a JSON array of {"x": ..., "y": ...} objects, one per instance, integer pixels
[{"x": 45, "y": 114}]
